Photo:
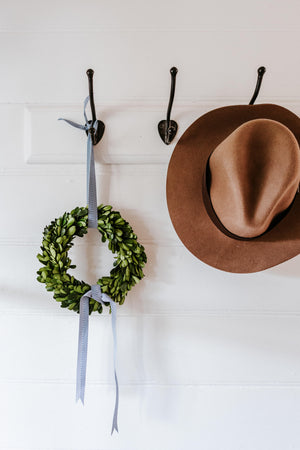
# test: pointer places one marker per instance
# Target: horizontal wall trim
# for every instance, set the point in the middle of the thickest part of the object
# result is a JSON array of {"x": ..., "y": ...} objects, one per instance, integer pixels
[
  {"x": 32, "y": 241},
  {"x": 200, "y": 28},
  {"x": 230, "y": 385},
  {"x": 124, "y": 159},
  {"x": 60, "y": 171},
  {"x": 159, "y": 103},
  {"x": 219, "y": 313},
  {"x": 77, "y": 170}
]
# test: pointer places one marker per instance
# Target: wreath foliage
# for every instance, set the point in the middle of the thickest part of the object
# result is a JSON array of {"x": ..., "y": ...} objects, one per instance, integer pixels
[{"x": 57, "y": 241}]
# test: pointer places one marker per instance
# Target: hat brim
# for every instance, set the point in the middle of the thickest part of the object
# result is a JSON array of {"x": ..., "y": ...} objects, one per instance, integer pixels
[{"x": 185, "y": 203}]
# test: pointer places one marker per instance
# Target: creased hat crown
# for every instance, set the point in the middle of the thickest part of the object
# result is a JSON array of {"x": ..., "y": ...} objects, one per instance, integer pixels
[{"x": 254, "y": 176}]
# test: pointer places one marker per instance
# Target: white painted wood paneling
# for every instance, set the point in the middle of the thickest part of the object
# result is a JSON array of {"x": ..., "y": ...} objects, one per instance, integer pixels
[
  {"x": 133, "y": 65},
  {"x": 207, "y": 359},
  {"x": 75, "y": 15},
  {"x": 230, "y": 349},
  {"x": 160, "y": 417},
  {"x": 134, "y": 124}
]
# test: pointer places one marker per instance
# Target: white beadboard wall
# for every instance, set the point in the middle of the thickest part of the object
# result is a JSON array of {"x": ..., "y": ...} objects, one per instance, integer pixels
[{"x": 207, "y": 360}]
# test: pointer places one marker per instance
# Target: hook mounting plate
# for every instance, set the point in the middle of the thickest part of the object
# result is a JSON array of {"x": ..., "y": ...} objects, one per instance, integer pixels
[{"x": 167, "y": 134}]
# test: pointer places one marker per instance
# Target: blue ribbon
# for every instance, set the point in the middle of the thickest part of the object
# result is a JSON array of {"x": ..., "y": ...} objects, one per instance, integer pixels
[
  {"x": 91, "y": 177},
  {"x": 95, "y": 291},
  {"x": 102, "y": 298}
]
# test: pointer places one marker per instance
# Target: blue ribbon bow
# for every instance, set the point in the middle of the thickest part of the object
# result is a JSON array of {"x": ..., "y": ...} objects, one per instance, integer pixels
[
  {"x": 95, "y": 291},
  {"x": 102, "y": 298}
]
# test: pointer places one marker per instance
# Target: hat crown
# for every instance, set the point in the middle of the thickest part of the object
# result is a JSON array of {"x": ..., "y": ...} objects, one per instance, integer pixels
[{"x": 255, "y": 173}]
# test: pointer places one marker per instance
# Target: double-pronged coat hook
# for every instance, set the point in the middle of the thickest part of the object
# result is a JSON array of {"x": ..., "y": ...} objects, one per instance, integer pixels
[
  {"x": 260, "y": 73},
  {"x": 168, "y": 128},
  {"x": 96, "y": 136}
]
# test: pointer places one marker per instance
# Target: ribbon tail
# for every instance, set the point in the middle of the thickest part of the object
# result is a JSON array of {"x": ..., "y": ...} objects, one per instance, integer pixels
[
  {"x": 114, "y": 330},
  {"x": 74, "y": 124},
  {"x": 115, "y": 417},
  {"x": 82, "y": 348}
]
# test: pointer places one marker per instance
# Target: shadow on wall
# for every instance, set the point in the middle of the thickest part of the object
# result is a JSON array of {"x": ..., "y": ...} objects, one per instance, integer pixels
[{"x": 290, "y": 268}]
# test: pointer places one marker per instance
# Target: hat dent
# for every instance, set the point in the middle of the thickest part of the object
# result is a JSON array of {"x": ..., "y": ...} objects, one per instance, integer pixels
[{"x": 255, "y": 174}]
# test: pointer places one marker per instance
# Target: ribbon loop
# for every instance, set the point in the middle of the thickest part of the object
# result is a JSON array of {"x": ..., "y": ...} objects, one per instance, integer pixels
[{"x": 90, "y": 127}]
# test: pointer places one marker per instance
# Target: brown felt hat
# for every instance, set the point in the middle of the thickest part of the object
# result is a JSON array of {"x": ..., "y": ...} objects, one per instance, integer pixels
[{"x": 232, "y": 187}]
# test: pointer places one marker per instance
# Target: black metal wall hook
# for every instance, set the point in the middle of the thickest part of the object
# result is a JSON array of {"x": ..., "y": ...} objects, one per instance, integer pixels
[
  {"x": 168, "y": 128},
  {"x": 96, "y": 137},
  {"x": 260, "y": 73}
]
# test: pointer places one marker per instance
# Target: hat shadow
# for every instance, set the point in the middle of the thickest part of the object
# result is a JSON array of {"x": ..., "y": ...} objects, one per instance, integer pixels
[{"x": 289, "y": 268}]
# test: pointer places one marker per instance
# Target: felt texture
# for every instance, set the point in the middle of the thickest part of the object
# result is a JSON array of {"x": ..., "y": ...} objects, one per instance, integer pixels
[{"x": 252, "y": 155}]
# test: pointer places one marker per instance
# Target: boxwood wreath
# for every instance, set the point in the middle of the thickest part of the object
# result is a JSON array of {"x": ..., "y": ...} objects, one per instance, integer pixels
[{"x": 57, "y": 241}]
